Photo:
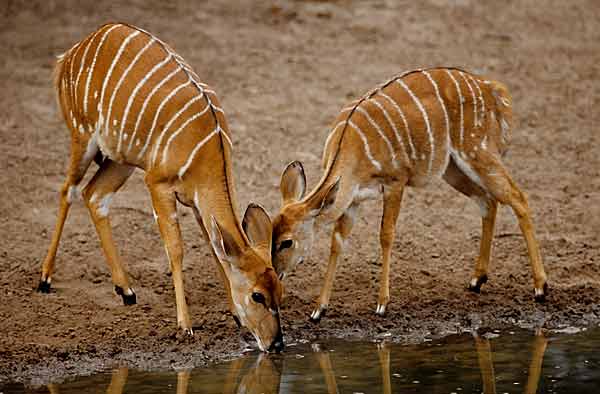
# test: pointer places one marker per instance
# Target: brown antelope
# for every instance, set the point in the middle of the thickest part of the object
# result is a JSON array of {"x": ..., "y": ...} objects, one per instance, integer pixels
[
  {"x": 130, "y": 101},
  {"x": 415, "y": 127}
]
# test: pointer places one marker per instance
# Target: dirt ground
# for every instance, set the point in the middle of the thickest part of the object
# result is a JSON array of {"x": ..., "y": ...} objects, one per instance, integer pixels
[{"x": 282, "y": 70}]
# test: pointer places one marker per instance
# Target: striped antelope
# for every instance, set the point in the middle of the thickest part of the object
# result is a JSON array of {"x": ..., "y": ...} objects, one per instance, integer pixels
[
  {"x": 130, "y": 101},
  {"x": 415, "y": 127}
]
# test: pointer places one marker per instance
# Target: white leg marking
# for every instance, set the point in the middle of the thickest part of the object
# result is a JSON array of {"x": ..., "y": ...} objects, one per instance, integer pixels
[
  {"x": 392, "y": 125},
  {"x": 466, "y": 169},
  {"x": 446, "y": 119},
  {"x": 73, "y": 194},
  {"x": 93, "y": 66},
  {"x": 462, "y": 117},
  {"x": 112, "y": 66},
  {"x": 375, "y": 163},
  {"x": 199, "y": 145},
  {"x": 157, "y": 113},
  {"x": 165, "y": 129},
  {"x": 427, "y": 124},
  {"x": 103, "y": 205},
  {"x": 381, "y": 134},
  {"x": 475, "y": 120},
  {"x": 150, "y": 95},
  {"x": 413, "y": 151}
]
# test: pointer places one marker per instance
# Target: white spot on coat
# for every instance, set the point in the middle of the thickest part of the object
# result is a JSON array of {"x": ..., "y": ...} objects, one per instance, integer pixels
[{"x": 104, "y": 205}]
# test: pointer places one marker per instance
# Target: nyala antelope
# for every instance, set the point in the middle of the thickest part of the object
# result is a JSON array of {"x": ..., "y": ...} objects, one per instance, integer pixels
[
  {"x": 415, "y": 127},
  {"x": 130, "y": 101}
]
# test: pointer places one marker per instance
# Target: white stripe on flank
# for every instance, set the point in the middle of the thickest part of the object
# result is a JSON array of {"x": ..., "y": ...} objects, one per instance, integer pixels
[
  {"x": 125, "y": 42},
  {"x": 72, "y": 73},
  {"x": 150, "y": 95},
  {"x": 413, "y": 151},
  {"x": 223, "y": 133},
  {"x": 176, "y": 132},
  {"x": 381, "y": 134},
  {"x": 199, "y": 145},
  {"x": 392, "y": 125},
  {"x": 93, "y": 66},
  {"x": 462, "y": 117},
  {"x": 82, "y": 63},
  {"x": 447, "y": 120},
  {"x": 170, "y": 122},
  {"x": 475, "y": 121},
  {"x": 375, "y": 163},
  {"x": 137, "y": 88},
  {"x": 114, "y": 93},
  {"x": 480, "y": 98},
  {"x": 157, "y": 114},
  {"x": 427, "y": 124}
]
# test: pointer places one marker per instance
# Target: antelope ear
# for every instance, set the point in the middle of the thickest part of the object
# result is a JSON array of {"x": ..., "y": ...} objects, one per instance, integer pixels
[
  {"x": 293, "y": 182},
  {"x": 223, "y": 243},
  {"x": 258, "y": 228},
  {"x": 324, "y": 200}
]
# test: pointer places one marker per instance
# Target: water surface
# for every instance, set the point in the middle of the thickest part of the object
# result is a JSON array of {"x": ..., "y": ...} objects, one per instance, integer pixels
[{"x": 494, "y": 362}]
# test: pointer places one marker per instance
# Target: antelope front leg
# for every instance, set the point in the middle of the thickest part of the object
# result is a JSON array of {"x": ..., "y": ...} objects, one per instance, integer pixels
[
  {"x": 488, "y": 222},
  {"x": 342, "y": 229},
  {"x": 164, "y": 204},
  {"x": 392, "y": 200}
]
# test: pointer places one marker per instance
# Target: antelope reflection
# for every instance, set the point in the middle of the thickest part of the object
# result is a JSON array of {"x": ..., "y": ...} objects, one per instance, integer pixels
[{"x": 264, "y": 373}]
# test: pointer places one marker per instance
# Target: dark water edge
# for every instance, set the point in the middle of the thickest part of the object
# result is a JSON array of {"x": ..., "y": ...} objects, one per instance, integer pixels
[{"x": 517, "y": 361}]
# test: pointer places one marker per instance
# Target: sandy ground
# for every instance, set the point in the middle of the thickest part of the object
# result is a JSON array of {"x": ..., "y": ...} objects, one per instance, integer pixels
[{"x": 283, "y": 70}]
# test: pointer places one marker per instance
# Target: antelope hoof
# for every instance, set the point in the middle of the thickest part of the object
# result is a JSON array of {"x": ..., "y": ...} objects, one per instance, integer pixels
[
  {"x": 475, "y": 284},
  {"x": 188, "y": 332},
  {"x": 381, "y": 309},
  {"x": 318, "y": 313},
  {"x": 44, "y": 286},
  {"x": 540, "y": 294},
  {"x": 128, "y": 295}
]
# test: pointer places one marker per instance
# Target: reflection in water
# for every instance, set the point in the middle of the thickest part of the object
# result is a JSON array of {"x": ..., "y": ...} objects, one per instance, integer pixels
[{"x": 449, "y": 366}]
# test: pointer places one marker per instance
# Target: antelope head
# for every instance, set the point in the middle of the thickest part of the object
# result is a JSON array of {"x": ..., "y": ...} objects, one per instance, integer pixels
[
  {"x": 255, "y": 289},
  {"x": 294, "y": 226}
]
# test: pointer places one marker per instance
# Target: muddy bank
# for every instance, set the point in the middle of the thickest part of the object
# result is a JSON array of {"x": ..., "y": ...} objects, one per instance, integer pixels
[{"x": 282, "y": 71}]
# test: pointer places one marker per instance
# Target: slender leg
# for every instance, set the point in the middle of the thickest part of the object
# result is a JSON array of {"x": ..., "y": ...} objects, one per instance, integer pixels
[
  {"x": 164, "y": 203},
  {"x": 97, "y": 195},
  {"x": 118, "y": 380},
  {"x": 342, "y": 229},
  {"x": 504, "y": 189},
  {"x": 383, "y": 351},
  {"x": 183, "y": 381},
  {"x": 486, "y": 364},
  {"x": 77, "y": 168},
  {"x": 488, "y": 222},
  {"x": 392, "y": 200},
  {"x": 537, "y": 359},
  {"x": 489, "y": 207},
  {"x": 325, "y": 365}
]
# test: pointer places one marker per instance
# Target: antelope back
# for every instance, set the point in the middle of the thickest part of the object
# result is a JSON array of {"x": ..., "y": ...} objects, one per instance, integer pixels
[
  {"x": 137, "y": 99},
  {"x": 417, "y": 120}
]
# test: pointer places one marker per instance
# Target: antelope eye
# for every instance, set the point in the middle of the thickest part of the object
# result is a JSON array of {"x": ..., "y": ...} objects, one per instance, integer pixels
[
  {"x": 258, "y": 298},
  {"x": 286, "y": 244}
]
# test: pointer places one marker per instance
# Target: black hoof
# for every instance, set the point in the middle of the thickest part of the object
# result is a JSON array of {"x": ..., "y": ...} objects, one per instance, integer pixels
[
  {"x": 128, "y": 299},
  {"x": 43, "y": 287},
  {"x": 476, "y": 287},
  {"x": 317, "y": 315},
  {"x": 540, "y": 297}
]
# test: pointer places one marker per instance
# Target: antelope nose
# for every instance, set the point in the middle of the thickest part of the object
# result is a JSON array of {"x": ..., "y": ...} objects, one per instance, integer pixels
[{"x": 277, "y": 344}]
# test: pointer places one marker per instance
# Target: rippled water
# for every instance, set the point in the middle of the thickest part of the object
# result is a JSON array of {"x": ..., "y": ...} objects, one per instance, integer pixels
[{"x": 495, "y": 362}]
